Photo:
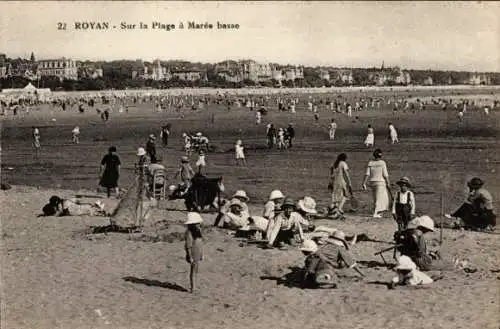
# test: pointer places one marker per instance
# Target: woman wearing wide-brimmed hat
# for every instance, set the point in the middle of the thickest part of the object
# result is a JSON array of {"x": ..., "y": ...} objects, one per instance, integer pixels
[
  {"x": 290, "y": 221},
  {"x": 241, "y": 198},
  {"x": 378, "y": 178},
  {"x": 477, "y": 211}
]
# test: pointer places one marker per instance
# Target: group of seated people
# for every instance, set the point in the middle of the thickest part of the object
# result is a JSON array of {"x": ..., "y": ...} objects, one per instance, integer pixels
[
  {"x": 283, "y": 222},
  {"x": 325, "y": 256},
  {"x": 328, "y": 249}
]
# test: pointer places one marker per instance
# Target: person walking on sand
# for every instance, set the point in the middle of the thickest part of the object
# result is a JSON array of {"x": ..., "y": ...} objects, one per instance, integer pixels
[
  {"x": 193, "y": 247},
  {"x": 36, "y": 141},
  {"x": 110, "y": 171},
  {"x": 378, "y": 177},
  {"x": 331, "y": 129},
  {"x": 201, "y": 164},
  {"x": 341, "y": 185},
  {"x": 393, "y": 134},
  {"x": 370, "y": 137},
  {"x": 75, "y": 135},
  {"x": 240, "y": 154}
]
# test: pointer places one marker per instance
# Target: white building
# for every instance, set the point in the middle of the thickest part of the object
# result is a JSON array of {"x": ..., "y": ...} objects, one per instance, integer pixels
[
  {"x": 62, "y": 68},
  {"x": 324, "y": 75}
]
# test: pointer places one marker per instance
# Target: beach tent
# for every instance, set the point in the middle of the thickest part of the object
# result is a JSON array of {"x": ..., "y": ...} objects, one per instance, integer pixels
[{"x": 29, "y": 88}]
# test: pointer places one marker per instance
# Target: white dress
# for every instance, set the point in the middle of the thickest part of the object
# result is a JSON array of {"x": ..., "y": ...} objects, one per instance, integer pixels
[
  {"x": 239, "y": 152},
  {"x": 370, "y": 138}
]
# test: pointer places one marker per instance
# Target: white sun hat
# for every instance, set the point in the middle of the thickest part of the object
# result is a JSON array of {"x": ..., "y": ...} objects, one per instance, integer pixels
[
  {"x": 425, "y": 221},
  {"x": 308, "y": 205},
  {"x": 405, "y": 263},
  {"x": 199, "y": 134},
  {"x": 193, "y": 218},
  {"x": 309, "y": 245},
  {"x": 241, "y": 194},
  {"x": 141, "y": 151},
  {"x": 276, "y": 194}
]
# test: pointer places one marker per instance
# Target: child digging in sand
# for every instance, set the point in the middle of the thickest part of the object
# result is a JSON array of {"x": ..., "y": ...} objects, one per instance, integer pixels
[{"x": 193, "y": 246}]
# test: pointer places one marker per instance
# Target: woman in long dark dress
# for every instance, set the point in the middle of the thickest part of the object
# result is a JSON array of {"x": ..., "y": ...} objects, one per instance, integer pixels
[{"x": 110, "y": 170}]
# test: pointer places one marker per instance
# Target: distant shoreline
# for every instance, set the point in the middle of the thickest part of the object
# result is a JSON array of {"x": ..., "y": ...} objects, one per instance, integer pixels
[{"x": 263, "y": 91}]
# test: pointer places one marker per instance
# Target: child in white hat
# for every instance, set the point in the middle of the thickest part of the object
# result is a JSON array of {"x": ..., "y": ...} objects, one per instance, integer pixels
[
  {"x": 408, "y": 274},
  {"x": 193, "y": 246}
]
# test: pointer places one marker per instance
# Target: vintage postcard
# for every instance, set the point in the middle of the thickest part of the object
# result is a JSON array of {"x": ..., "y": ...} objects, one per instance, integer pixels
[{"x": 249, "y": 164}]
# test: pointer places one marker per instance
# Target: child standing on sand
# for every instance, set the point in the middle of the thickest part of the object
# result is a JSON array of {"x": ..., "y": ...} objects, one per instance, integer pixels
[
  {"x": 403, "y": 207},
  {"x": 240, "y": 155},
  {"x": 370, "y": 137},
  {"x": 193, "y": 246},
  {"x": 201, "y": 162}
]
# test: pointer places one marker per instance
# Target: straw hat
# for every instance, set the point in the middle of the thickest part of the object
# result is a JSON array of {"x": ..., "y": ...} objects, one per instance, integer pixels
[
  {"x": 193, "y": 218},
  {"x": 404, "y": 181},
  {"x": 199, "y": 134},
  {"x": 141, "y": 151},
  {"x": 152, "y": 136},
  {"x": 276, "y": 194},
  {"x": 425, "y": 222},
  {"x": 241, "y": 195},
  {"x": 308, "y": 205},
  {"x": 475, "y": 183},
  {"x": 288, "y": 202},
  {"x": 405, "y": 263},
  {"x": 309, "y": 245},
  {"x": 184, "y": 159}
]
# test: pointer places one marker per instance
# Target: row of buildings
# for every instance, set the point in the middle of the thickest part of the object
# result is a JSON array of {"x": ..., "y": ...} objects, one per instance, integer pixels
[
  {"x": 63, "y": 68},
  {"x": 231, "y": 71}
]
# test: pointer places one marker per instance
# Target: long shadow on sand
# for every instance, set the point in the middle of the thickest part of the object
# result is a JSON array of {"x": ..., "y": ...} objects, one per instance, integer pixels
[
  {"x": 375, "y": 264},
  {"x": 292, "y": 279},
  {"x": 155, "y": 283}
]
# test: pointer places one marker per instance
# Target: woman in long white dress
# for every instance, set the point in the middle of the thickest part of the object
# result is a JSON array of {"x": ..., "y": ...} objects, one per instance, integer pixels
[
  {"x": 370, "y": 137},
  {"x": 341, "y": 183},
  {"x": 378, "y": 178}
]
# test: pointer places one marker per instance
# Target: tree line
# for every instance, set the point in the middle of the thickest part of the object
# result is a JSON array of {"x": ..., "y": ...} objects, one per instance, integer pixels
[{"x": 118, "y": 75}]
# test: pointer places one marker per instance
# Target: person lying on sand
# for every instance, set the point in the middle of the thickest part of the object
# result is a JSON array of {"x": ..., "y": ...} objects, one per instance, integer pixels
[
  {"x": 65, "y": 207},
  {"x": 408, "y": 274},
  {"x": 321, "y": 262}
]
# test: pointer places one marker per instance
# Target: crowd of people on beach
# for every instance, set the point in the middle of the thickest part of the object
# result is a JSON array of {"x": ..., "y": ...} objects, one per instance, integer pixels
[{"x": 285, "y": 222}]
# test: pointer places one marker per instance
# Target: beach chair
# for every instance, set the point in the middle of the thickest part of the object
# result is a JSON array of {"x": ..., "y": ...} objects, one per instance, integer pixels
[{"x": 159, "y": 184}]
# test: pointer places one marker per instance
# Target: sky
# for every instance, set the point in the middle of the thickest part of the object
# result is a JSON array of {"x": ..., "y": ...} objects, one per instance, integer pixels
[{"x": 412, "y": 35}]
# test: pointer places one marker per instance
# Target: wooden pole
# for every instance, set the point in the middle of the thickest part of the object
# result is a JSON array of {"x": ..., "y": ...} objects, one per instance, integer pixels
[{"x": 441, "y": 222}]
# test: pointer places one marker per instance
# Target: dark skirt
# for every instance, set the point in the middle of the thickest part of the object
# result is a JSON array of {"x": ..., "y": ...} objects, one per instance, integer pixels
[
  {"x": 109, "y": 179},
  {"x": 475, "y": 218}
]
